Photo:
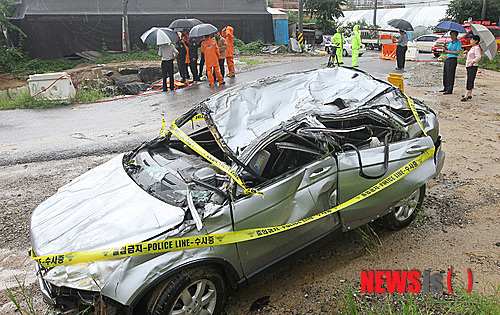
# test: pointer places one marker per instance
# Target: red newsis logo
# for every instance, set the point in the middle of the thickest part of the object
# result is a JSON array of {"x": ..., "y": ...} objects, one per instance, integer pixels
[{"x": 384, "y": 281}]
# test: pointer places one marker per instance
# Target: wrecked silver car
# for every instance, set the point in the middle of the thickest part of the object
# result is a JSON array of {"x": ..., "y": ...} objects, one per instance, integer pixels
[{"x": 302, "y": 156}]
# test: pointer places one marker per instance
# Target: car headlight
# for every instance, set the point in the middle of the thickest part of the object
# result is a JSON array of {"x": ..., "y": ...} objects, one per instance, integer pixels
[{"x": 91, "y": 276}]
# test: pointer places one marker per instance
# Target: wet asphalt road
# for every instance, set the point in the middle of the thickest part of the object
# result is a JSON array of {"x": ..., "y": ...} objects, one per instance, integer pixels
[{"x": 118, "y": 126}]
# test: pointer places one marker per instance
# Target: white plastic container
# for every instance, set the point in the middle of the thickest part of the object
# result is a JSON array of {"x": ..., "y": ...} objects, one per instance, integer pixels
[
  {"x": 412, "y": 52},
  {"x": 62, "y": 89}
]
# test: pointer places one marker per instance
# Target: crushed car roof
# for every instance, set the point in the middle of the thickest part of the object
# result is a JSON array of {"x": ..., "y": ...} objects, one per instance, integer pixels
[{"x": 243, "y": 113}]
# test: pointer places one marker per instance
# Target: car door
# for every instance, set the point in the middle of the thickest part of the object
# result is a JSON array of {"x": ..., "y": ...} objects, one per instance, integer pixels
[
  {"x": 351, "y": 183},
  {"x": 290, "y": 197}
]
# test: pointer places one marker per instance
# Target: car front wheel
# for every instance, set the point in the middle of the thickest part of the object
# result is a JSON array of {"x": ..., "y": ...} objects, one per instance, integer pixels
[
  {"x": 405, "y": 210},
  {"x": 345, "y": 53},
  {"x": 437, "y": 55},
  {"x": 199, "y": 290}
]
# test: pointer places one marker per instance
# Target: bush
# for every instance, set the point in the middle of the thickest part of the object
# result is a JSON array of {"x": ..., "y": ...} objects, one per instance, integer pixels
[
  {"x": 9, "y": 58},
  {"x": 484, "y": 63},
  {"x": 151, "y": 53},
  {"x": 32, "y": 66},
  {"x": 250, "y": 48}
]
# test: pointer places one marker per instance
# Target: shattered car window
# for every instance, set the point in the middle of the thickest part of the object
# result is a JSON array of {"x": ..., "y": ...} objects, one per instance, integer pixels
[{"x": 165, "y": 167}]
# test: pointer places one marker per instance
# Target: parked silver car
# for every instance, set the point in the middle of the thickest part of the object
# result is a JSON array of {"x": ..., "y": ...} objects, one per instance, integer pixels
[
  {"x": 307, "y": 141},
  {"x": 425, "y": 42}
]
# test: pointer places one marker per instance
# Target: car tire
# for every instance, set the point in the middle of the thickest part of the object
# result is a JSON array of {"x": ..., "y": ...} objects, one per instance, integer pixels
[
  {"x": 327, "y": 49},
  {"x": 369, "y": 46},
  {"x": 405, "y": 210},
  {"x": 344, "y": 53},
  {"x": 186, "y": 291},
  {"x": 437, "y": 55}
]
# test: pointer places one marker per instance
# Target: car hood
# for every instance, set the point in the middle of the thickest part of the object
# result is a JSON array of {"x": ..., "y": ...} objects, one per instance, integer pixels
[{"x": 102, "y": 208}]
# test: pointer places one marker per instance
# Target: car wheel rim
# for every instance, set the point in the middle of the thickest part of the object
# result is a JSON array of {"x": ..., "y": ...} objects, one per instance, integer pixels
[
  {"x": 405, "y": 208},
  {"x": 198, "y": 298}
]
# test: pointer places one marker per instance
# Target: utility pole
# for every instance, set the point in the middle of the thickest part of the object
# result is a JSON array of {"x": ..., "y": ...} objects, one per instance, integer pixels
[
  {"x": 375, "y": 14},
  {"x": 483, "y": 12},
  {"x": 125, "y": 33},
  {"x": 301, "y": 16}
]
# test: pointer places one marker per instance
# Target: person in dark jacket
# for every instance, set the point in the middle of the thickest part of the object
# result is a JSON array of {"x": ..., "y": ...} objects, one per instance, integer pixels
[
  {"x": 182, "y": 57},
  {"x": 193, "y": 58},
  {"x": 401, "y": 50}
]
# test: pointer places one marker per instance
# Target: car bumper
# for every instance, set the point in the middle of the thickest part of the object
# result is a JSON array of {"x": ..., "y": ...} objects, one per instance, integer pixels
[{"x": 45, "y": 287}]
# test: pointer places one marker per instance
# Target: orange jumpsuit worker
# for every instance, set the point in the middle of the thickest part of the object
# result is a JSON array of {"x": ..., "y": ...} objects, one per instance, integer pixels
[
  {"x": 211, "y": 51},
  {"x": 227, "y": 33}
]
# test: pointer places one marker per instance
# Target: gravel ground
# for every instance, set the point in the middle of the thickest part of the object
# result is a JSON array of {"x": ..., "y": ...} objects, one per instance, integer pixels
[{"x": 458, "y": 227}]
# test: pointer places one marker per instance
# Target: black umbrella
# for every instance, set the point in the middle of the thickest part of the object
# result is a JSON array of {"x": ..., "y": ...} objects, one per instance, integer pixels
[
  {"x": 401, "y": 24},
  {"x": 184, "y": 24},
  {"x": 202, "y": 30}
]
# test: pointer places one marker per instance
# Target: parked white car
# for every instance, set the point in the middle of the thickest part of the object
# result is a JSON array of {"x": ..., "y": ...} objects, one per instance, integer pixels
[
  {"x": 347, "y": 48},
  {"x": 425, "y": 42}
]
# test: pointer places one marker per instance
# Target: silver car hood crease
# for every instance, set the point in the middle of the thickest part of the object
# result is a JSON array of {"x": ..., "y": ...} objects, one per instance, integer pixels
[{"x": 102, "y": 208}]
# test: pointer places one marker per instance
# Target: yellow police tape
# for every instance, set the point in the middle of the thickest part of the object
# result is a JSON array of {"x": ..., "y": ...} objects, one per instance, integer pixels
[
  {"x": 411, "y": 105},
  {"x": 212, "y": 159},
  {"x": 174, "y": 244},
  {"x": 168, "y": 245}
]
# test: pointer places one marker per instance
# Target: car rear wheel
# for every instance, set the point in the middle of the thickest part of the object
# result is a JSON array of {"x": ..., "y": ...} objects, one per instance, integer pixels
[
  {"x": 199, "y": 290},
  {"x": 437, "y": 55},
  {"x": 405, "y": 210}
]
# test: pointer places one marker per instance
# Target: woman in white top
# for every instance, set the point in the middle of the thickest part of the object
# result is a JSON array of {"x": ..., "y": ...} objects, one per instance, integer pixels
[{"x": 473, "y": 57}]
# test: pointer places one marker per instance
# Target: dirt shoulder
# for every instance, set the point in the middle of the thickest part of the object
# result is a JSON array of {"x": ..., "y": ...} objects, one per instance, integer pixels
[{"x": 458, "y": 227}]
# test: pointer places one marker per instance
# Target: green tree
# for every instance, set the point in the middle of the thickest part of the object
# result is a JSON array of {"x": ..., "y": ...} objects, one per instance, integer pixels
[
  {"x": 461, "y": 10},
  {"x": 9, "y": 56},
  {"x": 324, "y": 11},
  {"x": 293, "y": 17}
]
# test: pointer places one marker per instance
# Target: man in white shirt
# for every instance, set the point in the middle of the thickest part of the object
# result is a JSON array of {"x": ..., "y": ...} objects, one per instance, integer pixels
[{"x": 167, "y": 53}]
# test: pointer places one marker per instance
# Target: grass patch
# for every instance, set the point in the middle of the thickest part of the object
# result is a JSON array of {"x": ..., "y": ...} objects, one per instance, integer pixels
[
  {"x": 23, "y": 100},
  {"x": 251, "y": 62},
  {"x": 350, "y": 301},
  {"x": 484, "y": 63},
  {"x": 151, "y": 53},
  {"x": 369, "y": 237},
  {"x": 23, "y": 300},
  {"x": 90, "y": 95},
  {"x": 250, "y": 48}
]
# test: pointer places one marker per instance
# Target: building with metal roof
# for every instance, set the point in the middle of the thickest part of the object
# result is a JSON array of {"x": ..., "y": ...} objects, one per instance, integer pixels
[{"x": 59, "y": 28}]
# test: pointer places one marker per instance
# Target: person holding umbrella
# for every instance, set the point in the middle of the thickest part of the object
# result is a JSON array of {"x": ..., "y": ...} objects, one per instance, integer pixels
[
  {"x": 167, "y": 53},
  {"x": 402, "y": 26},
  {"x": 164, "y": 36},
  {"x": 401, "y": 50},
  {"x": 450, "y": 65},
  {"x": 473, "y": 57}
]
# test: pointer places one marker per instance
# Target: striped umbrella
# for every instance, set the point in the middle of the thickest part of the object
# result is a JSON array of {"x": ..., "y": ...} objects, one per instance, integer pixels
[{"x": 159, "y": 36}]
